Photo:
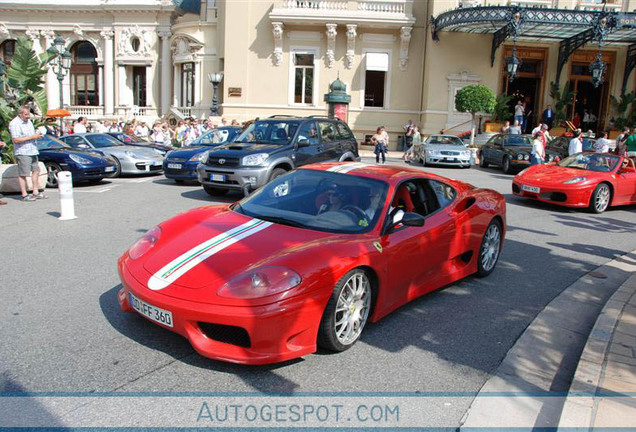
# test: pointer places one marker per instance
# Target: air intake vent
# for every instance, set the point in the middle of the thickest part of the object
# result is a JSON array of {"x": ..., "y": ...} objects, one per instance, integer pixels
[{"x": 227, "y": 334}]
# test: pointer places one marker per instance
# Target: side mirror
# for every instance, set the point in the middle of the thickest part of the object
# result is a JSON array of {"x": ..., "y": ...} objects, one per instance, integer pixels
[
  {"x": 303, "y": 143},
  {"x": 83, "y": 146},
  {"x": 407, "y": 219}
]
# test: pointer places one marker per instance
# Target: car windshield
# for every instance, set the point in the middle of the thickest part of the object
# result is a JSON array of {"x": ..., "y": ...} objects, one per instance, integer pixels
[
  {"x": 101, "y": 141},
  {"x": 588, "y": 144},
  {"x": 444, "y": 140},
  {"x": 591, "y": 162},
  {"x": 214, "y": 137},
  {"x": 49, "y": 142},
  {"x": 319, "y": 200},
  {"x": 517, "y": 141},
  {"x": 269, "y": 132},
  {"x": 130, "y": 138}
]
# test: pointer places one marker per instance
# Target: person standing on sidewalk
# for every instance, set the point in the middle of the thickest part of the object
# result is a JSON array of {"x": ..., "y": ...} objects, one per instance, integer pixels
[
  {"x": 520, "y": 111},
  {"x": 409, "y": 128},
  {"x": 380, "y": 145},
  {"x": 26, "y": 152},
  {"x": 538, "y": 148},
  {"x": 2, "y": 145},
  {"x": 630, "y": 143}
]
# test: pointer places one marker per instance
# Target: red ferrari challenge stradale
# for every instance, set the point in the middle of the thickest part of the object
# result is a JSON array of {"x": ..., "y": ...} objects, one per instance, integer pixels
[
  {"x": 589, "y": 180},
  {"x": 308, "y": 259}
]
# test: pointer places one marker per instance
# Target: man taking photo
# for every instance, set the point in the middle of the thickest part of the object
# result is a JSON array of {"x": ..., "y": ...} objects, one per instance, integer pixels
[{"x": 26, "y": 152}]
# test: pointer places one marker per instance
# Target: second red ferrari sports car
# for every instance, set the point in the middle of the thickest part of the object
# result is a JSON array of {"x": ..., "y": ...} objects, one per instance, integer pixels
[
  {"x": 309, "y": 259},
  {"x": 592, "y": 180}
]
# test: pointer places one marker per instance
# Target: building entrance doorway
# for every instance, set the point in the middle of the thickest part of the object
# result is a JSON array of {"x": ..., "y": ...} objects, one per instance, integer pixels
[
  {"x": 588, "y": 99},
  {"x": 528, "y": 86},
  {"x": 139, "y": 86}
]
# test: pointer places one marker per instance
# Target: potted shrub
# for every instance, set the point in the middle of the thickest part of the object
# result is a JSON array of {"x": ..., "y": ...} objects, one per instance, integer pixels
[
  {"x": 561, "y": 101},
  {"x": 473, "y": 99},
  {"x": 500, "y": 113}
]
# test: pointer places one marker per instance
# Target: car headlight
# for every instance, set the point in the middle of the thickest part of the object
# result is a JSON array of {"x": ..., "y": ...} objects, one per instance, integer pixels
[
  {"x": 204, "y": 157},
  {"x": 526, "y": 157},
  {"x": 161, "y": 152},
  {"x": 550, "y": 158},
  {"x": 576, "y": 180},
  {"x": 261, "y": 282},
  {"x": 145, "y": 243},
  {"x": 255, "y": 159},
  {"x": 80, "y": 160},
  {"x": 465, "y": 153},
  {"x": 198, "y": 157},
  {"x": 520, "y": 156},
  {"x": 129, "y": 153}
]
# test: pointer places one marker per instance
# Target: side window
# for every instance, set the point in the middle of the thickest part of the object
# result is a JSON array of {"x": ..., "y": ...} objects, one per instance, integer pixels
[
  {"x": 327, "y": 131},
  {"x": 444, "y": 193},
  {"x": 73, "y": 141},
  {"x": 309, "y": 131},
  {"x": 344, "y": 131},
  {"x": 498, "y": 140}
]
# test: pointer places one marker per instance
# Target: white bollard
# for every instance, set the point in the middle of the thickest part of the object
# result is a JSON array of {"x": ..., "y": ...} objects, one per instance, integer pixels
[{"x": 65, "y": 186}]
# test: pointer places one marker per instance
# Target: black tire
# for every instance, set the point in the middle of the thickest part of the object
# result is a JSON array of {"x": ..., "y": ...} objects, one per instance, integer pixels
[
  {"x": 421, "y": 161},
  {"x": 327, "y": 333},
  {"x": 277, "y": 172},
  {"x": 601, "y": 198},
  {"x": 506, "y": 166},
  {"x": 490, "y": 244},
  {"x": 178, "y": 181},
  {"x": 117, "y": 172},
  {"x": 212, "y": 191},
  {"x": 52, "y": 169},
  {"x": 482, "y": 161}
]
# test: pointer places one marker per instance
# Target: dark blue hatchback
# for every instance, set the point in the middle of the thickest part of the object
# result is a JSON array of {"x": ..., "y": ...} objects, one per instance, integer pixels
[
  {"x": 181, "y": 164},
  {"x": 84, "y": 165}
]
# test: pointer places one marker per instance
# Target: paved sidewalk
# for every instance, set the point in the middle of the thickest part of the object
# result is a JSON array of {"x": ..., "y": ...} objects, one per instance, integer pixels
[{"x": 603, "y": 391}]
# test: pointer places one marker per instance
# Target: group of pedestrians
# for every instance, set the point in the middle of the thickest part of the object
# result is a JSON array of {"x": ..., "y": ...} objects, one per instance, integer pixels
[{"x": 380, "y": 141}]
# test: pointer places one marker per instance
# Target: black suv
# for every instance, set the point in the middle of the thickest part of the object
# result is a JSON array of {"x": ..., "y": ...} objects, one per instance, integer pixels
[{"x": 270, "y": 147}]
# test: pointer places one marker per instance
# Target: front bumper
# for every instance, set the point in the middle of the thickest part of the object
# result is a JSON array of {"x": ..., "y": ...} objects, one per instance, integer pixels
[
  {"x": 448, "y": 160},
  {"x": 232, "y": 178},
  {"x": 188, "y": 170},
  {"x": 141, "y": 166},
  {"x": 564, "y": 196},
  {"x": 277, "y": 332}
]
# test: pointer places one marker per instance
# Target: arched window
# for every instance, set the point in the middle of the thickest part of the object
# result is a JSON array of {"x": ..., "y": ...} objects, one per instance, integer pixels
[
  {"x": 7, "y": 48},
  {"x": 84, "y": 86}
]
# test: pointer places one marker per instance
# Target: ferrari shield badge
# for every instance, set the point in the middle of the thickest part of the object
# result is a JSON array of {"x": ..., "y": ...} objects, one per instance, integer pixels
[{"x": 378, "y": 246}]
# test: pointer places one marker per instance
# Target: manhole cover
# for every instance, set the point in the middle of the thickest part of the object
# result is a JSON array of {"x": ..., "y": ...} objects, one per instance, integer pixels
[{"x": 598, "y": 275}]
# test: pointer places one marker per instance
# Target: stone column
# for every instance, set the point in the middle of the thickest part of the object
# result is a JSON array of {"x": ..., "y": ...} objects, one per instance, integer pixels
[
  {"x": 166, "y": 65},
  {"x": 197, "y": 83},
  {"x": 52, "y": 84},
  {"x": 122, "y": 99},
  {"x": 34, "y": 35},
  {"x": 177, "y": 87},
  {"x": 109, "y": 76}
]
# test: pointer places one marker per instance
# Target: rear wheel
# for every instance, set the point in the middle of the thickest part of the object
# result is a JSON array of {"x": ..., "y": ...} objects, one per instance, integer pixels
[
  {"x": 212, "y": 191},
  {"x": 506, "y": 165},
  {"x": 599, "y": 202},
  {"x": 347, "y": 311},
  {"x": 52, "y": 170},
  {"x": 489, "y": 249}
]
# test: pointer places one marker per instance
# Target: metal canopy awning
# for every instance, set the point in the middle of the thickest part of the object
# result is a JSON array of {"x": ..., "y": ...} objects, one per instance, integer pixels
[{"x": 573, "y": 28}]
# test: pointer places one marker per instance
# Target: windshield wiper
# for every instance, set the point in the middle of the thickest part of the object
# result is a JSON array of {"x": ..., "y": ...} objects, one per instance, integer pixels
[{"x": 280, "y": 220}]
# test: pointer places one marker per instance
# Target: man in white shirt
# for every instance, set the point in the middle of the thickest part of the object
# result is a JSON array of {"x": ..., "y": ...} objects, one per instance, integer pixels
[
  {"x": 537, "y": 129},
  {"x": 576, "y": 146},
  {"x": 142, "y": 131},
  {"x": 520, "y": 110},
  {"x": 515, "y": 129},
  {"x": 602, "y": 143},
  {"x": 80, "y": 125},
  {"x": 25, "y": 150}
]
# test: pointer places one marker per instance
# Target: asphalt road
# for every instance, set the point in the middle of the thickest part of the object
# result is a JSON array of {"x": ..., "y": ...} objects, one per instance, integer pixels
[{"x": 61, "y": 329}]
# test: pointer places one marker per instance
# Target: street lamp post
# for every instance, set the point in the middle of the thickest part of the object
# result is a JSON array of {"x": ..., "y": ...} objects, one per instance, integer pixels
[
  {"x": 215, "y": 79},
  {"x": 61, "y": 65}
]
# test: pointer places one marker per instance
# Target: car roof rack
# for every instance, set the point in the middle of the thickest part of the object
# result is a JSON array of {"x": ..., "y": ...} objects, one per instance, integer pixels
[
  {"x": 320, "y": 117},
  {"x": 283, "y": 116}
]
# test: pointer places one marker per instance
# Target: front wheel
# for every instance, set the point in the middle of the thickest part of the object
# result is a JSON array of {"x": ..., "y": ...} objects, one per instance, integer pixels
[
  {"x": 277, "y": 172},
  {"x": 599, "y": 202},
  {"x": 506, "y": 165},
  {"x": 212, "y": 191},
  {"x": 117, "y": 171},
  {"x": 52, "y": 170},
  {"x": 489, "y": 249},
  {"x": 482, "y": 160},
  {"x": 347, "y": 311}
]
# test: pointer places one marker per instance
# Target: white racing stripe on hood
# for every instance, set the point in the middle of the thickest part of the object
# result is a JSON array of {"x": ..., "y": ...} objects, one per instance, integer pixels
[
  {"x": 343, "y": 169},
  {"x": 190, "y": 259}
]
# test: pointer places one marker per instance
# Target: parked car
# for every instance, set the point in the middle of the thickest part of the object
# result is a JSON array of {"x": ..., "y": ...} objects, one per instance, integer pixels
[
  {"x": 510, "y": 152},
  {"x": 83, "y": 165},
  {"x": 559, "y": 145},
  {"x": 593, "y": 180},
  {"x": 270, "y": 147},
  {"x": 181, "y": 164},
  {"x": 133, "y": 140},
  {"x": 128, "y": 160},
  {"x": 309, "y": 259},
  {"x": 448, "y": 150}
]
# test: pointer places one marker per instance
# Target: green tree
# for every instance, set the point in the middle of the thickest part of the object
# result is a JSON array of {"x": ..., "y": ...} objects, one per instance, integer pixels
[
  {"x": 621, "y": 108},
  {"x": 23, "y": 83},
  {"x": 561, "y": 100},
  {"x": 473, "y": 99},
  {"x": 501, "y": 111}
]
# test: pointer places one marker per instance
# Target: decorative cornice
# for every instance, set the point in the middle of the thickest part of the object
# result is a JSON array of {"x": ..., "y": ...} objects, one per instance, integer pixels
[
  {"x": 331, "y": 44},
  {"x": 164, "y": 34},
  {"x": 4, "y": 31},
  {"x": 107, "y": 34},
  {"x": 351, "y": 45},
  {"x": 33, "y": 34},
  {"x": 77, "y": 29},
  {"x": 277, "y": 31}
]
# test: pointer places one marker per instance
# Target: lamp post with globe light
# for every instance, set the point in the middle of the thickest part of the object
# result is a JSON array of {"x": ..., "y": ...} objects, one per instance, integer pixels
[
  {"x": 61, "y": 64},
  {"x": 215, "y": 79}
]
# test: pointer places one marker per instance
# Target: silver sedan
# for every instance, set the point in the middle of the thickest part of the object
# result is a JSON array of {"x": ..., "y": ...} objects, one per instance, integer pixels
[
  {"x": 447, "y": 150},
  {"x": 128, "y": 159}
]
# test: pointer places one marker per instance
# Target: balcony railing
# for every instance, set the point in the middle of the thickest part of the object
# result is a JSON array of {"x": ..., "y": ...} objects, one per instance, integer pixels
[
  {"x": 534, "y": 3},
  {"x": 87, "y": 111},
  {"x": 135, "y": 111},
  {"x": 610, "y": 5},
  {"x": 186, "y": 111}
]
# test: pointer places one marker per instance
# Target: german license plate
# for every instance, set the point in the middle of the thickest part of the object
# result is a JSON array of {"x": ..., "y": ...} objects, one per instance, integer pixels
[
  {"x": 109, "y": 169},
  {"x": 532, "y": 189},
  {"x": 174, "y": 166},
  {"x": 217, "y": 177},
  {"x": 151, "y": 312}
]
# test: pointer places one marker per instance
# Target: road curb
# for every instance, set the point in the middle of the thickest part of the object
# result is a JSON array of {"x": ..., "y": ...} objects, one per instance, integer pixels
[
  {"x": 529, "y": 387},
  {"x": 580, "y": 409}
]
